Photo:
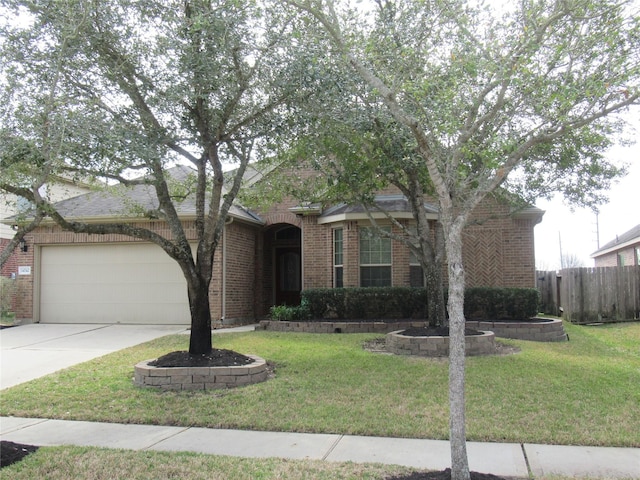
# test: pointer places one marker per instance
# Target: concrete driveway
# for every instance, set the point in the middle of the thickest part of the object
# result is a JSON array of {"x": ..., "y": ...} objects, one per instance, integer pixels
[{"x": 32, "y": 351}]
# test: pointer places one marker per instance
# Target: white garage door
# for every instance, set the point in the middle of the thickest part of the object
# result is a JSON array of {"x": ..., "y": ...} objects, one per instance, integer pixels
[{"x": 129, "y": 283}]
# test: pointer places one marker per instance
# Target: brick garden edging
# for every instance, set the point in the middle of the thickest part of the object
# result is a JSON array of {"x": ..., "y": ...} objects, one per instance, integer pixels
[
  {"x": 436, "y": 346},
  {"x": 336, "y": 326},
  {"x": 546, "y": 330},
  {"x": 200, "y": 378}
]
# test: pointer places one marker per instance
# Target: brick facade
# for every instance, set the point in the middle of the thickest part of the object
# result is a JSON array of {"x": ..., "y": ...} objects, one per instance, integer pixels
[
  {"x": 10, "y": 268},
  {"x": 622, "y": 258},
  {"x": 498, "y": 251}
]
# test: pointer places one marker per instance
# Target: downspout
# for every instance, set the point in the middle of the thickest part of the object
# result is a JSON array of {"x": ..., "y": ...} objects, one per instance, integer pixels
[
  {"x": 302, "y": 256},
  {"x": 223, "y": 309}
]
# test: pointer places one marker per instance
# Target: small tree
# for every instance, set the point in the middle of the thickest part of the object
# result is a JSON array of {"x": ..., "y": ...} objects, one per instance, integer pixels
[{"x": 523, "y": 99}]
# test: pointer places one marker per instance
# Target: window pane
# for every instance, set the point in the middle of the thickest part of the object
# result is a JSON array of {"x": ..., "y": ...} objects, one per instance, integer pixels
[
  {"x": 337, "y": 247},
  {"x": 374, "y": 249},
  {"x": 375, "y": 276},
  {"x": 416, "y": 277},
  {"x": 338, "y": 282}
]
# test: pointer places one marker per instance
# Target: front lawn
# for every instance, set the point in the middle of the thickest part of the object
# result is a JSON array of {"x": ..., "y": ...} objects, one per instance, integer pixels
[{"x": 582, "y": 392}]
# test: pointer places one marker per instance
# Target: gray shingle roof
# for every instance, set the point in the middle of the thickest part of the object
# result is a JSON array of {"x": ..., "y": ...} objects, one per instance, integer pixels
[
  {"x": 620, "y": 240},
  {"x": 386, "y": 203},
  {"x": 130, "y": 202}
]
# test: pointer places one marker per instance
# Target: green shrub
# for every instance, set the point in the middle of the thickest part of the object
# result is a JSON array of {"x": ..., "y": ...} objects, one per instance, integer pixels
[
  {"x": 7, "y": 289},
  {"x": 491, "y": 303},
  {"x": 286, "y": 313},
  {"x": 382, "y": 303}
]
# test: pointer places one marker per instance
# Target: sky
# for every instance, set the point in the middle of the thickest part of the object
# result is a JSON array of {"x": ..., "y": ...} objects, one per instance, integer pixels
[{"x": 577, "y": 231}]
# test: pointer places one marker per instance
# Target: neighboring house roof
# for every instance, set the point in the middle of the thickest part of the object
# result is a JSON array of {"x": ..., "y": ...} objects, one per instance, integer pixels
[
  {"x": 57, "y": 188},
  {"x": 628, "y": 238},
  {"x": 137, "y": 201}
]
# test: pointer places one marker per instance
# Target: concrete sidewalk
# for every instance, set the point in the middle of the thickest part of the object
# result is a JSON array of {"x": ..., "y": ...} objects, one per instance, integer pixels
[{"x": 509, "y": 460}]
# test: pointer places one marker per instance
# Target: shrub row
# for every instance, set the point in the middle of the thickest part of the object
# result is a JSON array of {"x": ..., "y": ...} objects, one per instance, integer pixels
[
  {"x": 485, "y": 303},
  {"x": 392, "y": 303},
  {"x": 365, "y": 303}
]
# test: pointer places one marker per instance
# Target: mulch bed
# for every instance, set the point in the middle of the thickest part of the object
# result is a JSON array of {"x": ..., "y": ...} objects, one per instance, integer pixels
[
  {"x": 443, "y": 475},
  {"x": 215, "y": 358},
  {"x": 11, "y": 453}
]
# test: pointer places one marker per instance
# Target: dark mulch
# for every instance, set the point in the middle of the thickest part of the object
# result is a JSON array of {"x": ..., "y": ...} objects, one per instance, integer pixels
[
  {"x": 215, "y": 358},
  {"x": 443, "y": 475},
  {"x": 11, "y": 453},
  {"x": 434, "y": 332}
]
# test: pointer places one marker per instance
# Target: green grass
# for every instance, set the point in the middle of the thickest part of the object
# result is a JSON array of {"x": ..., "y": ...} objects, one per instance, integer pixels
[
  {"x": 582, "y": 392},
  {"x": 63, "y": 463}
]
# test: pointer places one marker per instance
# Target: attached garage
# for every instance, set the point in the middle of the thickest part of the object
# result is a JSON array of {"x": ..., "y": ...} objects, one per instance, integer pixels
[{"x": 111, "y": 283}]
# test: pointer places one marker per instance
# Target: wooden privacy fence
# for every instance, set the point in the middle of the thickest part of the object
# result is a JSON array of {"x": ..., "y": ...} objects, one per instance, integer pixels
[{"x": 588, "y": 295}]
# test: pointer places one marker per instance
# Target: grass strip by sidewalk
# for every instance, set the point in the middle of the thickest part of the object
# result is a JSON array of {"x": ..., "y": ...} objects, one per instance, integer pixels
[
  {"x": 582, "y": 392},
  {"x": 63, "y": 463}
]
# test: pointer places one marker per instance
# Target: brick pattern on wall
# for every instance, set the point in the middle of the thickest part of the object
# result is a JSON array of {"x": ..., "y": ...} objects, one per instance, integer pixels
[
  {"x": 240, "y": 271},
  {"x": 625, "y": 257},
  {"x": 23, "y": 301},
  {"x": 10, "y": 268}
]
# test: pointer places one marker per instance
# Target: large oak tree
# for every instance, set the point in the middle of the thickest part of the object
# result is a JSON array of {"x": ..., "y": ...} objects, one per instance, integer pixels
[{"x": 141, "y": 86}]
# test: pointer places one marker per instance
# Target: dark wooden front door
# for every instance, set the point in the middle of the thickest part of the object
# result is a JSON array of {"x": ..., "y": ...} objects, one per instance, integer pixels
[{"x": 288, "y": 276}]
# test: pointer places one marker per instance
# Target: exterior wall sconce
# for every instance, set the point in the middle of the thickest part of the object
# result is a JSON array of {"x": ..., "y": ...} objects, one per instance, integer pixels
[{"x": 23, "y": 245}]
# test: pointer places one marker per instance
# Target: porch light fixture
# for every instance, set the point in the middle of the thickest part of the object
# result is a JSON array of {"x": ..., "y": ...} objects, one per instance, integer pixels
[{"x": 23, "y": 245}]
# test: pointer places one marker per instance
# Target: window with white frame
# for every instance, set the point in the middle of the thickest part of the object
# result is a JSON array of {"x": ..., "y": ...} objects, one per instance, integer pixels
[
  {"x": 338, "y": 259},
  {"x": 375, "y": 258}
]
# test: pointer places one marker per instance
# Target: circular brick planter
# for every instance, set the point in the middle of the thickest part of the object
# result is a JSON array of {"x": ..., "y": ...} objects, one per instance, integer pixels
[
  {"x": 435, "y": 346},
  {"x": 199, "y": 378}
]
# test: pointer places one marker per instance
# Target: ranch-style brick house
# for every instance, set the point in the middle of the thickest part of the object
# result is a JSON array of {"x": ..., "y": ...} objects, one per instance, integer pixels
[{"x": 264, "y": 258}]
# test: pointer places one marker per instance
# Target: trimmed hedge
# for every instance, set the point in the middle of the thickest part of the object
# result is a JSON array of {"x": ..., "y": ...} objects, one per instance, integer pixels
[
  {"x": 392, "y": 303},
  {"x": 487, "y": 303},
  {"x": 365, "y": 303}
]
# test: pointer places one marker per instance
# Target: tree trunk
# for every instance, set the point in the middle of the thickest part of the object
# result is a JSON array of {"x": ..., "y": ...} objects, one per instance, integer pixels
[
  {"x": 457, "y": 429},
  {"x": 200, "y": 341},
  {"x": 435, "y": 294}
]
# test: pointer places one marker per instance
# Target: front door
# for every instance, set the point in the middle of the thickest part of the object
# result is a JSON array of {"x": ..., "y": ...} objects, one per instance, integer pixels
[{"x": 288, "y": 275}]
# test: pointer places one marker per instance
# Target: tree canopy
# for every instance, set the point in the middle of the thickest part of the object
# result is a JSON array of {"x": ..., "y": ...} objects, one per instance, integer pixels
[{"x": 119, "y": 90}]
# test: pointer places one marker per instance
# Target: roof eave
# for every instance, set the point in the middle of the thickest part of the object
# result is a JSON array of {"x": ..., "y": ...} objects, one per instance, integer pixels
[
  {"x": 355, "y": 216},
  {"x": 615, "y": 248}
]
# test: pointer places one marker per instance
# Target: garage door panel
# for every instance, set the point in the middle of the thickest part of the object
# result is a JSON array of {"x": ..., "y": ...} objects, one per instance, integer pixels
[{"x": 131, "y": 283}]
